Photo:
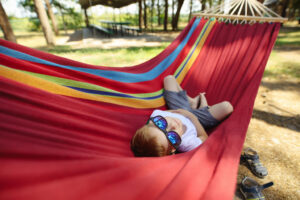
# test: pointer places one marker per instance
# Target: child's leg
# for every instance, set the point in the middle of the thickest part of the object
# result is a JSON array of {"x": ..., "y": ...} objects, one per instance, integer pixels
[
  {"x": 221, "y": 110},
  {"x": 171, "y": 84}
]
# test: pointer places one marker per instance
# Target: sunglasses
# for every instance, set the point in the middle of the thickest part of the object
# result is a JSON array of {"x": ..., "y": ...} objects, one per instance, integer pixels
[{"x": 172, "y": 136}]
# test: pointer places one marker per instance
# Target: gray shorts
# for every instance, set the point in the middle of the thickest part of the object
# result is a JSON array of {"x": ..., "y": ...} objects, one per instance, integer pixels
[{"x": 179, "y": 100}]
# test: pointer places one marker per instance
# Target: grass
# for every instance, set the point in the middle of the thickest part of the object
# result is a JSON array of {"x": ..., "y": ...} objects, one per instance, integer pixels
[
  {"x": 288, "y": 37},
  {"x": 109, "y": 57},
  {"x": 283, "y": 65},
  {"x": 284, "y": 61}
]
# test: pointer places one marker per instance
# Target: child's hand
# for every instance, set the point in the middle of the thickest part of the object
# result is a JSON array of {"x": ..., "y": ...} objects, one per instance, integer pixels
[{"x": 203, "y": 101}]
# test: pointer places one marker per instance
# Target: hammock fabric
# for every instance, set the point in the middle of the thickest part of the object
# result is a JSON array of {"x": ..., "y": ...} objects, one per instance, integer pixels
[{"x": 65, "y": 126}]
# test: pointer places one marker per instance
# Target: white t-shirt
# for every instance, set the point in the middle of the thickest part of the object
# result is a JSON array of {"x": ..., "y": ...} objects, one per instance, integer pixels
[{"x": 189, "y": 139}]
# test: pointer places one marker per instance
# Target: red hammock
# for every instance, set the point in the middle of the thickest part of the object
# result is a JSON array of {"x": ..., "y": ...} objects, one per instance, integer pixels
[{"x": 65, "y": 126}]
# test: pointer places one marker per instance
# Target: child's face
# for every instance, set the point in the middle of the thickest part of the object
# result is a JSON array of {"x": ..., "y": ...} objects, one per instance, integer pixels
[{"x": 174, "y": 124}]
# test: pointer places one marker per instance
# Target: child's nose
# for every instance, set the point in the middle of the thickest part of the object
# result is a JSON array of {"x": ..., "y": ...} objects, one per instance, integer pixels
[{"x": 172, "y": 125}]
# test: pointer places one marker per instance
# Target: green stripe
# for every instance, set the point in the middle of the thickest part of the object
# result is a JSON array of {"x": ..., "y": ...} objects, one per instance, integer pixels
[{"x": 83, "y": 85}]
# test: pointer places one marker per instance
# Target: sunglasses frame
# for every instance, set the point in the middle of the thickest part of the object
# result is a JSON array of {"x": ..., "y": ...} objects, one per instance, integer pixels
[{"x": 164, "y": 131}]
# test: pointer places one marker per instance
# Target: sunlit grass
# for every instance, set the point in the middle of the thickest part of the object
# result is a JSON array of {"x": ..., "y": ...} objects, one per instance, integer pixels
[
  {"x": 109, "y": 57},
  {"x": 283, "y": 64},
  {"x": 289, "y": 36}
]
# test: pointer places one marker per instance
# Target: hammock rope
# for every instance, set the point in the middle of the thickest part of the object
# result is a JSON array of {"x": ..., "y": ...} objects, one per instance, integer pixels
[
  {"x": 66, "y": 126},
  {"x": 237, "y": 10}
]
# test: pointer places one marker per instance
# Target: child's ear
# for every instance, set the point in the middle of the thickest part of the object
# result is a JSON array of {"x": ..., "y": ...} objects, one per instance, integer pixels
[{"x": 173, "y": 151}]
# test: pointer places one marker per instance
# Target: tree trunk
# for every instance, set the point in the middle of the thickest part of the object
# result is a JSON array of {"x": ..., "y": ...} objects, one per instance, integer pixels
[
  {"x": 176, "y": 17},
  {"x": 5, "y": 26},
  {"x": 145, "y": 14},
  {"x": 191, "y": 9},
  {"x": 284, "y": 7},
  {"x": 203, "y": 6},
  {"x": 158, "y": 13},
  {"x": 63, "y": 20},
  {"x": 140, "y": 14},
  {"x": 166, "y": 16},
  {"x": 52, "y": 17},
  {"x": 86, "y": 17},
  {"x": 173, "y": 8},
  {"x": 151, "y": 12},
  {"x": 41, "y": 12}
]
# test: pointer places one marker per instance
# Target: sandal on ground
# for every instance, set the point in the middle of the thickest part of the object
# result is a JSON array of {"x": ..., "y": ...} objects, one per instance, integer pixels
[
  {"x": 251, "y": 159},
  {"x": 251, "y": 190}
]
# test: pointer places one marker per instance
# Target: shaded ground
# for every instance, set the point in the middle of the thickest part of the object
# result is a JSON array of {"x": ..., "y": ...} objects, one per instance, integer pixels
[
  {"x": 274, "y": 133},
  {"x": 85, "y": 38}
]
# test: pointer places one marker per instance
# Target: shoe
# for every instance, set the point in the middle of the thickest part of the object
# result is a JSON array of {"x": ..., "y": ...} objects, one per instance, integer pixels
[
  {"x": 251, "y": 159},
  {"x": 251, "y": 190}
]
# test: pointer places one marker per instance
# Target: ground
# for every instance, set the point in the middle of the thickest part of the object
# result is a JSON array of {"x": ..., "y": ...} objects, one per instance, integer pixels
[
  {"x": 274, "y": 133},
  {"x": 275, "y": 126}
]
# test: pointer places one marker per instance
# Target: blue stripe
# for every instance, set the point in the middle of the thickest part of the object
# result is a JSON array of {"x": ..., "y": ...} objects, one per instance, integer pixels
[
  {"x": 89, "y": 91},
  {"x": 113, "y": 75},
  {"x": 205, "y": 28}
]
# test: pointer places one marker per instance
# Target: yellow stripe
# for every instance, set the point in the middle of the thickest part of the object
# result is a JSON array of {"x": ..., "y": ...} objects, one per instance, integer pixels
[
  {"x": 61, "y": 90},
  {"x": 195, "y": 53}
]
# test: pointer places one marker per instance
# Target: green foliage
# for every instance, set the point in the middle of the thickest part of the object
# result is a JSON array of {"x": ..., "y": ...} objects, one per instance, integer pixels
[
  {"x": 73, "y": 19},
  {"x": 20, "y": 24},
  {"x": 35, "y": 24},
  {"x": 68, "y": 16},
  {"x": 28, "y": 4}
]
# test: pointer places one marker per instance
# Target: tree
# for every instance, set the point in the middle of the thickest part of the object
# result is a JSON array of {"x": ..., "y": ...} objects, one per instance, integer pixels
[
  {"x": 86, "y": 17},
  {"x": 145, "y": 14},
  {"x": 5, "y": 25},
  {"x": 52, "y": 17},
  {"x": 158, "y": 13},
  {"x": 41, "y": 12},
  {"x": 173, "y": 8},
  {"x": 203, "y": 3},
  {"x": 285, "y": 5},
  {"x": 61, "y": 8},
  {"x": 191, "y": 10},
  {"x": 176, "y": 17},
  {"x": 166, "y": 16},
  {"x": 140, "y": 14},
  {"x": 151, "y": 13}
]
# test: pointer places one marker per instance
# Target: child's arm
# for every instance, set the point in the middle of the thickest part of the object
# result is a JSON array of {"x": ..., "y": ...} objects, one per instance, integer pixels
[{"x": 200, "y": 130}]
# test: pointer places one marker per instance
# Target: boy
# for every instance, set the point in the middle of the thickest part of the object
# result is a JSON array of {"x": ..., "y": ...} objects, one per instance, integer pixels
[{"x": 180, "y": 129}]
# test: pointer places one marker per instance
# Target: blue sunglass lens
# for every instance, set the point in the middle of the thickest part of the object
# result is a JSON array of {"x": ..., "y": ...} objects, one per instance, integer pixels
[
  {"x": 160, "y": 122},
  {"x": 174, "y": 138}
]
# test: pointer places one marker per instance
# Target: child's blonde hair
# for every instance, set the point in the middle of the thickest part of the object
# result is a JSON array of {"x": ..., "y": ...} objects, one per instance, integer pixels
[{"x": 144, "y": 144}]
